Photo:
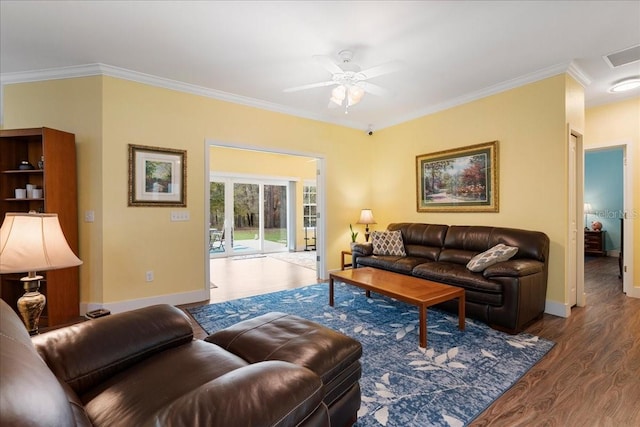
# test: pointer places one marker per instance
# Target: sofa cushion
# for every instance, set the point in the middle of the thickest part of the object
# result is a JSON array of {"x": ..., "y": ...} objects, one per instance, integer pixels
[
  {"x": 88, "y": 353},
  {"x": 421, "y": 240},
  {"x": 388, "y": 243},
  {"x": 183, "y": 369},
  {"x": 496, "y": 254},
  {"x": 457, "y": 275},
  {"x": 332, "y": 355},
  {"x": 398, "y": 264}
]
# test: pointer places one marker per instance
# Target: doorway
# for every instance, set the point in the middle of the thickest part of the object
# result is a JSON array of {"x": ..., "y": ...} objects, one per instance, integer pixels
[
  {"x": 608, "y": 202},
  {"x": 272, "y": 217}
]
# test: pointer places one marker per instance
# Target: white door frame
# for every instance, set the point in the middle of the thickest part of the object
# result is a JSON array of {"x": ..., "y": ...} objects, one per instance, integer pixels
[
  {"x": 320, "y": 201},
  {"x": 627, "y": 272},
  {"x": 575, "y": 294}
]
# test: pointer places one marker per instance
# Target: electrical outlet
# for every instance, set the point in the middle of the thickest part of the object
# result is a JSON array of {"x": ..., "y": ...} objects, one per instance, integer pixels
[
  {"x": 149, "y": 276},
  {"x": 180, "y": 216},
  {"x": 89, "y": 216}
]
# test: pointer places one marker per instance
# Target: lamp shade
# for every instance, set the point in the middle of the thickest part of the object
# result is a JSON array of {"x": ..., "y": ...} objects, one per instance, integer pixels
[
  {"x": 366, "y": 217},
  {"x": 34, "y": 242}
]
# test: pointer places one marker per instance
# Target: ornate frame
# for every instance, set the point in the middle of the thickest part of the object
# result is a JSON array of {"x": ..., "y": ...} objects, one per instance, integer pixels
[
  {"x": 157, "y": 176},
  {"x": 458, "y": 180}
]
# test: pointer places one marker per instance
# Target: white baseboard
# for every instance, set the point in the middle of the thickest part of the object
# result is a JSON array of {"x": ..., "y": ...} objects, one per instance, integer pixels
[
  {"x": 634, "y": 292},
  {"x": 560, "y": 309},
  {"x": 173, "y": 299}
]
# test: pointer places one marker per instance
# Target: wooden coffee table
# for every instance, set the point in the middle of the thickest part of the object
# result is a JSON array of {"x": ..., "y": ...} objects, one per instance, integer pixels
[{"x": 412, "y": 290}]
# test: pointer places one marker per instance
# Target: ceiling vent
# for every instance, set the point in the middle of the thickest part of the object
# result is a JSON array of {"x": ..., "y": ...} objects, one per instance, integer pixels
[{"x": 623, "y": 57}]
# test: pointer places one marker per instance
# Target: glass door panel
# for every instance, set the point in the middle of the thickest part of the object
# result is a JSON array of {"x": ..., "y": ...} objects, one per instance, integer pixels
[
  {"x": 275, "y": 218},
  {"x": 246, "y": 218},
  {"x": 217, "y": 235}
]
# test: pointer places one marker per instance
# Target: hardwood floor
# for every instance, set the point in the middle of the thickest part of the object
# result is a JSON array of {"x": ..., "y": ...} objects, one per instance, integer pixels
[
  {"x": 239, "y": 277},
  {"x": 234, "y": 278},
  {"x": 592, "y": 375}
]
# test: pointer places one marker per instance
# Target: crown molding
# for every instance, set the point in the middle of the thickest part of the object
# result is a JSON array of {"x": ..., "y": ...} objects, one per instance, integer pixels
[
  {"x": 99, "y": 69},
  {"x": 570, "y": 68},
  {"x": 578, "y": 73}
]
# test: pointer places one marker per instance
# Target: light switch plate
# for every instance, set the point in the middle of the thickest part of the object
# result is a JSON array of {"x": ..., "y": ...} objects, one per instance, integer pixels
[{"x": 180, "y": 216}]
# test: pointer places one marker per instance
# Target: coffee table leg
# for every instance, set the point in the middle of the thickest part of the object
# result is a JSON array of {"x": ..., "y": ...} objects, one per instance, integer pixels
[
  {"x": 423, "y": 326},
  {"x": 331, "y": 291},
  {"x": 461, "y": 318}
]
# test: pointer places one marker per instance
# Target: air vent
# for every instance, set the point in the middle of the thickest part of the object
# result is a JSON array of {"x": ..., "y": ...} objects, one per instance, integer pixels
[{"x": 623, "y": 57}]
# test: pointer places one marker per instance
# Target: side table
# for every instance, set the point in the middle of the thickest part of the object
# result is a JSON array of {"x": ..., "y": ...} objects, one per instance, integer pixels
[
  {"x": 594, "y": 243},
  {"x": 344, "y": 265}
]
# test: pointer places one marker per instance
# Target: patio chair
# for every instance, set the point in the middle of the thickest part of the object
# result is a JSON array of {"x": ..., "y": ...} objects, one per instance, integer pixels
[{"x": 216, "y": 240}]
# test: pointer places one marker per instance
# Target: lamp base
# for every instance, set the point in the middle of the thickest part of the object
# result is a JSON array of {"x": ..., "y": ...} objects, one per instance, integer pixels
[{"x": 31, "y": 303}]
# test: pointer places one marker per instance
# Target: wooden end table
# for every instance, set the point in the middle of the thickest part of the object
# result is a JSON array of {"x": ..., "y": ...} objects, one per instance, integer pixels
[
  {"x": 412, "y": 290},
  {"x": 344, "y": 264}
]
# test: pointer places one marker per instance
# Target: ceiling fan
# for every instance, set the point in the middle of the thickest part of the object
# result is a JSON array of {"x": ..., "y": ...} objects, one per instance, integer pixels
[{"x": 351, "y": 82}]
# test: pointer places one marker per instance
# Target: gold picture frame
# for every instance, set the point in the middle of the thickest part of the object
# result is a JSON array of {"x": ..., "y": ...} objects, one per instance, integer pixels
[
  {"x": 459, "y": 180},
  {"x": 157, "y": 176}
]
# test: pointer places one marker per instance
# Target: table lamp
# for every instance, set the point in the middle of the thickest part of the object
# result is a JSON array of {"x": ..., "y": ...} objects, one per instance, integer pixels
[
  {"x": 31, "y": 242},
  {"x": 587, "y": 210},
  {"x": 366, "y": 217}
]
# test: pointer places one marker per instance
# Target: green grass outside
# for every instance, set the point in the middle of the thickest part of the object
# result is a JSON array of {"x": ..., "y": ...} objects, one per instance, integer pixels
[{"x": 270, "y": 234}]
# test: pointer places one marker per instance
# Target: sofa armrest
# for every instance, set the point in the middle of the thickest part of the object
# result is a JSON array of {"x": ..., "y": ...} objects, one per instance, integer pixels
[
  {"x": 271, "y": 393},
  {"x": 87, "y": 353},
  {"x": 362, "y": 249},
  {"x": 514, "y": 268}
]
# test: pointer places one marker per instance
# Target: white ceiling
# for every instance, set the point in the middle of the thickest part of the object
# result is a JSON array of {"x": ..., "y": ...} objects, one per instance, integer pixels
[{"x": 248, "y": 52}]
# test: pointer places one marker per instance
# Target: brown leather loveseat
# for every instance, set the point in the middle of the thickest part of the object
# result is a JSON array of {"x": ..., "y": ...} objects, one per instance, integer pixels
[
  {"x": 143, "y": 368},
  {"x": 507, "y": 296}
]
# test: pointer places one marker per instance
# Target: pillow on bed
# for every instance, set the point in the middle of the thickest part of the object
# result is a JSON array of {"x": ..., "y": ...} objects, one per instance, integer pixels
[
  {"x": 387, "y": 243},
  {"x": 496, "y": 254}
]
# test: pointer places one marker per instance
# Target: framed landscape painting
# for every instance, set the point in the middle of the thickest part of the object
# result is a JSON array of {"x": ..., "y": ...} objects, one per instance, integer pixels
[
  {"x": 157, "y": 176},
  {"x": 459, "y": 180}
]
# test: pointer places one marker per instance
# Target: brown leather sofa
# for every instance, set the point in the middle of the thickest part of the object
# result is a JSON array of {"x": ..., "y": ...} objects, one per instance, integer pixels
[
  {"x": 507, "y": 296},
  {"x": 143, "y": 368}
]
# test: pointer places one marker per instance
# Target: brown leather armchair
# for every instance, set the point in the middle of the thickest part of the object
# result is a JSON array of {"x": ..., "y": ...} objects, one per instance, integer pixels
[{"x": 143, "y": 367}]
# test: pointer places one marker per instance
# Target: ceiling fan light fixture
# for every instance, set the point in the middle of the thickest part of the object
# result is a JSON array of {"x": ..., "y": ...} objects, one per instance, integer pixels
[
  {"x": 355, "y": 94},
  {"x": 338, "y": 94},
  {"x": 625, "y": 85}
]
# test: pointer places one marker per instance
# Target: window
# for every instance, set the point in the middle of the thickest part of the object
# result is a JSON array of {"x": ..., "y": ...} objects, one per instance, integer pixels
[{"x": 309, "y": 193}]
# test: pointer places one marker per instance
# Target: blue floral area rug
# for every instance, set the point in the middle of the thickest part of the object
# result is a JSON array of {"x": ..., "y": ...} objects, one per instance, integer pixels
[{"x": 449, "y": 383}]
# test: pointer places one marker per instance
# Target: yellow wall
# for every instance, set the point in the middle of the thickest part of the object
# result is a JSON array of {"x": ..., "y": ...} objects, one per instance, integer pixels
[
  {"x": 529, "y": 123},
  {"x": 107, "y": 114},
  {"x": 72, "y": 105},
  {"x": 620, "y": 123},
  {"x": 232, "y": 161},
  {"x": 361, "y": 171}
]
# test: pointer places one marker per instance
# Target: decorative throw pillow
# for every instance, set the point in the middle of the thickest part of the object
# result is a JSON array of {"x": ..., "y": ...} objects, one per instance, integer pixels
[
  {"x": 387, "y": 243},
  {"x": 496, "y": 254}
]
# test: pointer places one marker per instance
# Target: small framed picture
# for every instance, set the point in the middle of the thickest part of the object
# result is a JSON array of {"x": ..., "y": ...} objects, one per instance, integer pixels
[{"x": 157, "y": 176}]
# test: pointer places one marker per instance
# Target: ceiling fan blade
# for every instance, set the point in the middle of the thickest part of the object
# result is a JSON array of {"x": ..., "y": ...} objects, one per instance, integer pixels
[
  {"x": 379, "y": 70},
  {"x": 328, "y": 64},
  {"x": 373, "y": 89},
  {"x": 310, "y": 86}
]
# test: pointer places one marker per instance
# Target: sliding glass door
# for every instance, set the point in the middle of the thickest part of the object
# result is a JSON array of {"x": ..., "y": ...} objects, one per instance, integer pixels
[{"x": 248, "y": 217}]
